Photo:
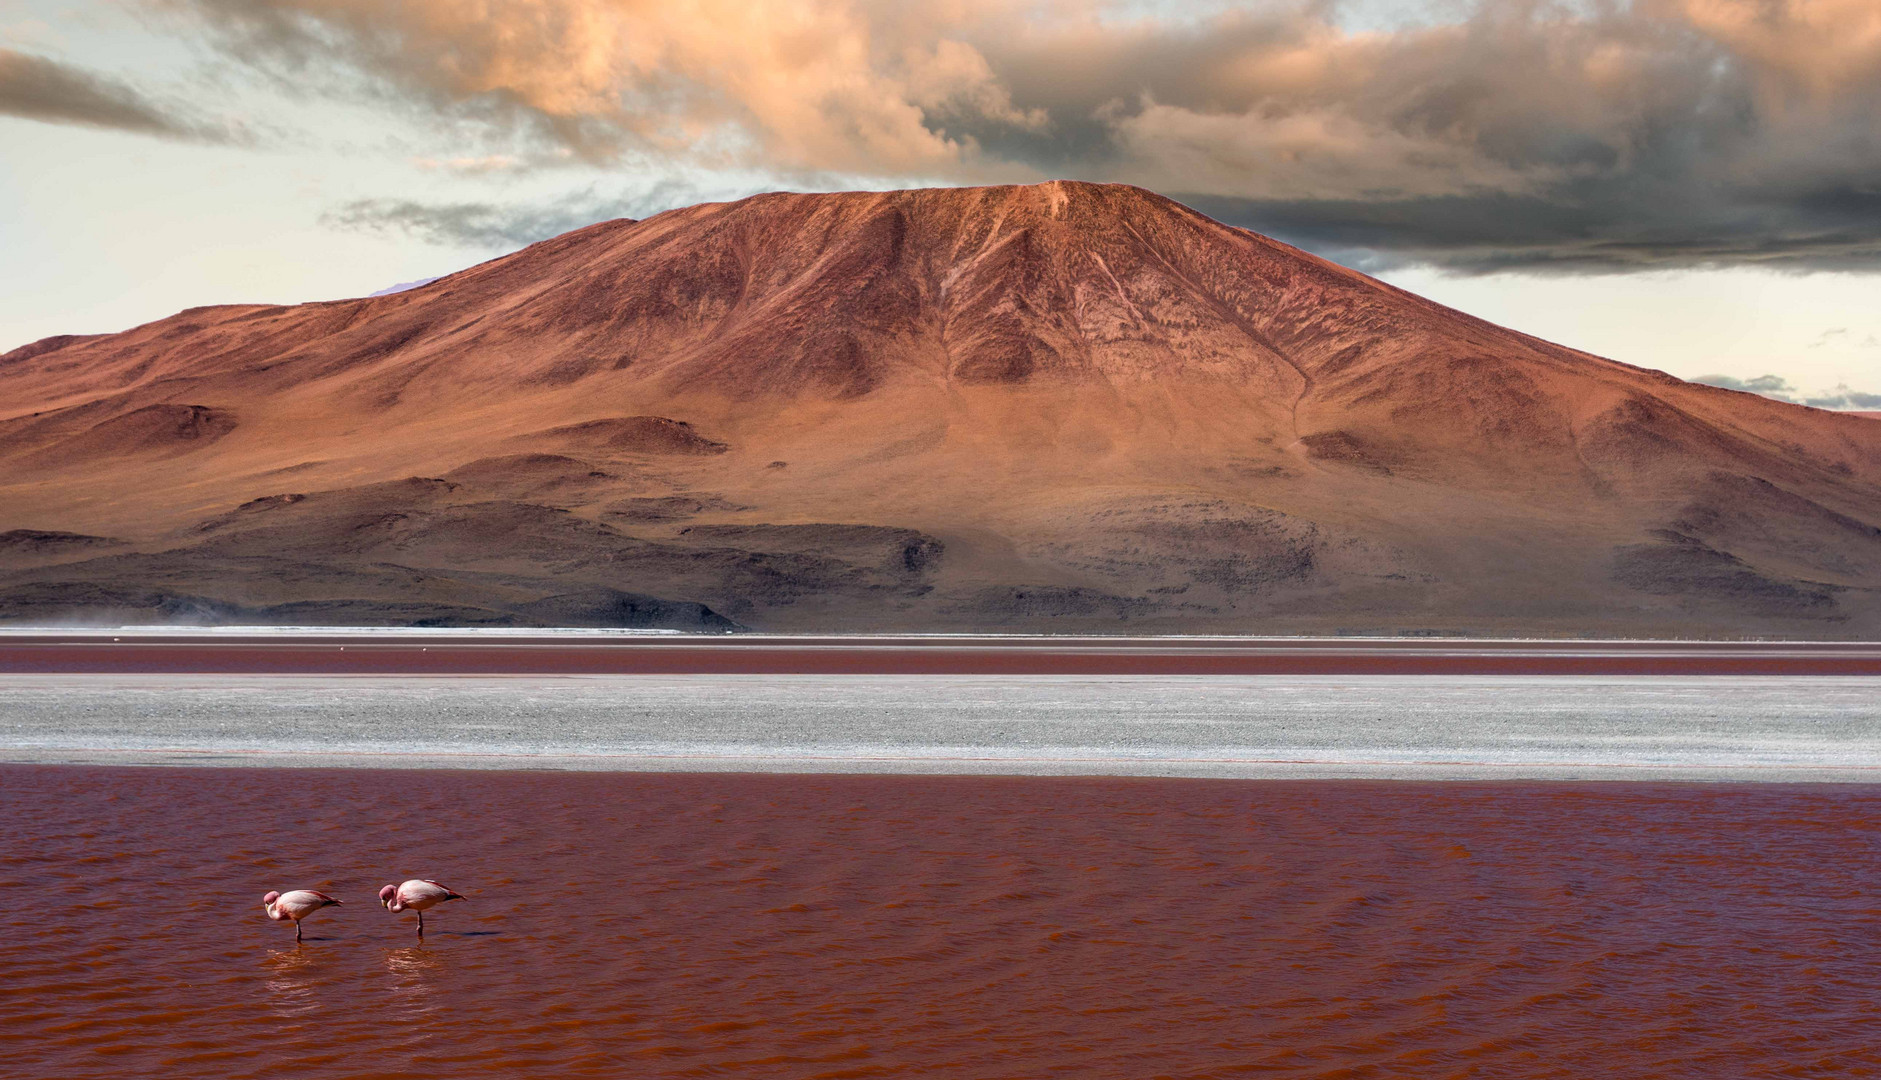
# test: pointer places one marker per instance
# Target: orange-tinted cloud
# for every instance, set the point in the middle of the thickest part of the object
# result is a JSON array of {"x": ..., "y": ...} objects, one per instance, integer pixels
[
  {"x": 793, "y": 84},
  {"x": 1527, "y": 133},
  {"x": 1815, "y": 50}
]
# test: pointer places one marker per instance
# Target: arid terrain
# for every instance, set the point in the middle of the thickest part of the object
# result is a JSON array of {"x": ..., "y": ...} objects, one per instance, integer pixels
[{"x": 1063, "y": 407}]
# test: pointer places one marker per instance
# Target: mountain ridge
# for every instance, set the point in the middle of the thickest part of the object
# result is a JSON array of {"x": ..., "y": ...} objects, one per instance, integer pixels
[{"x": 1104, "y": 408}]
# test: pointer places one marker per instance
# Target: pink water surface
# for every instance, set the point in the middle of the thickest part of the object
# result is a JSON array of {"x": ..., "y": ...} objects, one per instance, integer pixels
[{"x": 645, "y": 925}]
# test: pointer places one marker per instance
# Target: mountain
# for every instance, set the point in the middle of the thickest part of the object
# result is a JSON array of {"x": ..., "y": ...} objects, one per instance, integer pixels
[
  {"x": 1062, "y": 406},
  {"x": 402, "y": 286}
]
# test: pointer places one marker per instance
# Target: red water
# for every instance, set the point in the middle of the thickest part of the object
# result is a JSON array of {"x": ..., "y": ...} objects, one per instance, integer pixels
[{"x": 785, "y": 926}]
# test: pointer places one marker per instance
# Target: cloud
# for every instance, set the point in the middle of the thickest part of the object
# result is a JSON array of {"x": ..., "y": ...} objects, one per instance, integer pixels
[
  {"x": 789, "y": 84},
  {"x": 471, "y": 165},
  {"x": 1844, "y": 398},
  {"x": 501, "y": 226},
  {"x": 1771, "y": 386},
  {"x": 36, "y": 88},
  {"x": 1832, "y": 336},
  {"x": 1538, "y": 135},
  {"x": 1842, "y": 337},
  {"x": 1775, "y": 386}
]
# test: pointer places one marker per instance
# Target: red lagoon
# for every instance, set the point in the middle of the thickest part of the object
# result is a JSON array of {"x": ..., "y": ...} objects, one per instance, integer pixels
[{"x": 777, "y": 926}]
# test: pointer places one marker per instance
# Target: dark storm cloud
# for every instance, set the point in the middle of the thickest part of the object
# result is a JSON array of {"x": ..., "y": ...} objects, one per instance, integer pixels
[
  {"x": 1560, "y": 232},
  {"x": 1524, "y": 134},
  {"x": 35, "y": 88},
  {"x": 1529, "y": 136}
]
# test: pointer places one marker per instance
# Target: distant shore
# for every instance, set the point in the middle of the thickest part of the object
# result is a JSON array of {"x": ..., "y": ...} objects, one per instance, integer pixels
[{"x": 431, "y": 652}]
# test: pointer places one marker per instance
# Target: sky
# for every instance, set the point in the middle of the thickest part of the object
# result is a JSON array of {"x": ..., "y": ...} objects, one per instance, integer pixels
[{"x": 1689, "y": 185}]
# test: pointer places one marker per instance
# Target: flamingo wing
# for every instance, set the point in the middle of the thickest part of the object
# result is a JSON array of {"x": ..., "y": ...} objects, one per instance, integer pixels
[
  {"x": 302, "y": 902},
  {"x": 445, "y": 892}
]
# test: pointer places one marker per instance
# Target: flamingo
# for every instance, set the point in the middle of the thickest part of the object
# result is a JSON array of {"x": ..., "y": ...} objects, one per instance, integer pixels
[
  {"x": 295, "y": 906},
  {"x": 418, "y": 895}
]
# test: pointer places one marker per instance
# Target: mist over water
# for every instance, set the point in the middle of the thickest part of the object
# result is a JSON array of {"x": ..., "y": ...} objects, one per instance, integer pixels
[{"x": 649, "y": 925}]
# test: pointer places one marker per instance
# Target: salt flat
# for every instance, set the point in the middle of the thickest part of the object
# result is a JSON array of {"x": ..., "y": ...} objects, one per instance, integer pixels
[{"x": 1423, "y": 727}]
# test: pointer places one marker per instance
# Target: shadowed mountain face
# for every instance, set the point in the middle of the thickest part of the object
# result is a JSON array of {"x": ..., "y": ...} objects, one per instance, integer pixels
[{"x": 1065, "y": 406}]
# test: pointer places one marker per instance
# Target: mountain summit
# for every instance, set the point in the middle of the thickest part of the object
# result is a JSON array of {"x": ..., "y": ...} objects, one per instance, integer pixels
[{"x": 1063, "y": 405}]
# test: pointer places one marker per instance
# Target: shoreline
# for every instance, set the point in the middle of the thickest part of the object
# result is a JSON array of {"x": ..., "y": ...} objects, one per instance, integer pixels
[
  {"x": 809, "y": 767},
  {"x": 246, "y": 651}
]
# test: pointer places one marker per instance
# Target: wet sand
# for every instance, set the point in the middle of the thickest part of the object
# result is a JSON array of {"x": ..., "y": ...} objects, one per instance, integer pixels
[
  {"x": 787, "y": 927},
  {"x": 468, "y": 653}
]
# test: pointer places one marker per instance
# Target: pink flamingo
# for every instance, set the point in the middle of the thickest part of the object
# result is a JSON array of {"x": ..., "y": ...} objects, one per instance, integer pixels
[
  {"x": 418, "y": 895},
  {"x": 295, "y": 906}
]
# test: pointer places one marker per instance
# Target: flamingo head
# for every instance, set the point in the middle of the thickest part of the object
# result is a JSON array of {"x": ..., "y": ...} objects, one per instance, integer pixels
[
  {"x": 389, "y": 897},
  {"x": 268, "y": 900}
]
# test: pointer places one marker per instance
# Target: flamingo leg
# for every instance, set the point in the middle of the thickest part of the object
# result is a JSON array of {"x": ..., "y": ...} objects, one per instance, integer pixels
[
  {"x": 421, "y": 924},
  {"x": 297, "y": 931}
]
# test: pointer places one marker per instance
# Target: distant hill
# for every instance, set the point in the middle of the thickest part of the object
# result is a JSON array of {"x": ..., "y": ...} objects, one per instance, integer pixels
[
  {"x": 403, "y": 286},
  {"x": 1063, "y": 406}
]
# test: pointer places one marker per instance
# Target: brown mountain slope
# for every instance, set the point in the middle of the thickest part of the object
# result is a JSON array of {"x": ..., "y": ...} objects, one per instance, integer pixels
[{"x": 1060, "y": 406}]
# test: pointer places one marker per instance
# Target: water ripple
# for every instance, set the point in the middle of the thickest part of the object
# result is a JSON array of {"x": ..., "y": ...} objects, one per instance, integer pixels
[{"x": 727, "y": 925}]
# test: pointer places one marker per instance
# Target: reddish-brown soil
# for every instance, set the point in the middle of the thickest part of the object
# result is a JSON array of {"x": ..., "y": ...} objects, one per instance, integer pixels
[{"x": 1065, "y": 406}]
